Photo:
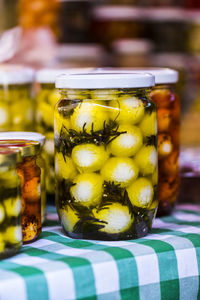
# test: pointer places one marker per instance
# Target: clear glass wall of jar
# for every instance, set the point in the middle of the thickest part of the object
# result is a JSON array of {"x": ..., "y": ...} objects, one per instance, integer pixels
[
  {"x": 30, "y": 174},
  {"x": 10, "y": 203},
  {"x": 106, "y": 155},
  {"x": 16, "y": 103},
  {"x": 32, "y": 136}
]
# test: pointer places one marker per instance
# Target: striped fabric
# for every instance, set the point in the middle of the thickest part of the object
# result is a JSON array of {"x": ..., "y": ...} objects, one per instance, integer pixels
[{"x": 163, "y": 265}]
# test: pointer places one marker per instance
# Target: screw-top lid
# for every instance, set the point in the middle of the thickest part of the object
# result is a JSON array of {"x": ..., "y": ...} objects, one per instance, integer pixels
[
  {"x": 162, "y": 75},
  {"x": 27, "y": 148},
  {"x": 132, "y": 46},
  {"x": 23, "y": 135},
  {"x": 80, "y": 51},
  {"x": 9, "y": 156},
  {"x": 105, "y": 80},
  {"x": 49, "y": 75},
  {"x": 15, "y": 74}
]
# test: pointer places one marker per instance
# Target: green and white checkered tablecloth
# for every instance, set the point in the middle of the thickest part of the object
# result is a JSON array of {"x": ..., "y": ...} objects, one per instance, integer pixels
[{"x": 163, "y": 265}]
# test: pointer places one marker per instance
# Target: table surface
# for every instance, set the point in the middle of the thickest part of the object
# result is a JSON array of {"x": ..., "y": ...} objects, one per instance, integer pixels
[{"x": 163, "y": 265}]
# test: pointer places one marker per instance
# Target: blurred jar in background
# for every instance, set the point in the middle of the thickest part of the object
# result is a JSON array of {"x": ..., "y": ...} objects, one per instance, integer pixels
[
  {"x": 8, "y": 14},
  {"x": 168, "y": 105},
  {"x": 190, "y": 126},
  {"x": 192, "y": 3},
  {"x": 80, "y": 55},
  {"x": 186, "y": 86},
  {"x": 194, "y": 31},
  {"x": 38, "y": 13},
  {"x": 160, "y": 2},
  {"x": 113, "y": 22},
  {"x": 74, "y": 21},
  {"x": 167, "y": 28},
  {"x": 190, "y": 175},
  {"x": 32, "y": 136},
  {"x": 132, "y": 52},
  {"x": 46, "y": 99},
  {"x": 30, "y": 174},
  {"x": 10, "y": 203},
  {"x": 16, "y": 103}
]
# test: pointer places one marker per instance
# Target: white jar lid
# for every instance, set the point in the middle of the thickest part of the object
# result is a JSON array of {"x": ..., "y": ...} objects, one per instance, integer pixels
[
  {"x": 15, "y": 74},
  {"x": 132, "y": 46},
  {"x": 117, "y": 12},
  {"x": 23, "y": 135},
  {"x": 105, "y": 80},
  {"x": 162, "y": 75},
  {"x": 80, "y": 51},
  {"x": 49, "y": 75}
]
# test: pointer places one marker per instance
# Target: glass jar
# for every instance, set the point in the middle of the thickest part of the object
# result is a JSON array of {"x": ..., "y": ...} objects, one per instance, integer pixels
[
  {"x": 30, "y": 174},
  {"x": 32, "y": 136},
  {"x": 116, "y": 22},
  {"x": 168, "y": 105},
  {"x": 16, "y": 105},
  {"x": 106, "y": 156},
  {"x": 10, "y": 203}
]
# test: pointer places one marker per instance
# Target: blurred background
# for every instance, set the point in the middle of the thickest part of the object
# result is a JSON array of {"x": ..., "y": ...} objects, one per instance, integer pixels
[{"x": 112, "y": 33}]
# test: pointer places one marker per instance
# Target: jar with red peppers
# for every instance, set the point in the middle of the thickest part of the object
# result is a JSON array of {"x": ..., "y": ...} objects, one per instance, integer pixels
[{"x": 30, "y": 174}]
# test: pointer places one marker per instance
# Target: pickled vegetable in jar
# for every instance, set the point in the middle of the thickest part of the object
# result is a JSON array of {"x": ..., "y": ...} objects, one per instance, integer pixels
[
  {"x": 10, "y": 203},
  {"x": 30, "y": 174},
  {"x": 168, "y": 105},
  {"x": 106, "y": 155},
  {"x": 32, "y": 136},
  {"x": 16, "y": 103}
]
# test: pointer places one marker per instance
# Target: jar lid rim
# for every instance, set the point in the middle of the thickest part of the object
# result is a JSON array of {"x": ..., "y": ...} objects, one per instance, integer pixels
[
  {"x": 48, "y": 75},
  {"x": 105, "y": 80},
  {"x": 27, "y": 148},
  {"x": 23, "y": 135},
  {"x": 15, "y": 74},
  {"x": 162, "y": 75}
]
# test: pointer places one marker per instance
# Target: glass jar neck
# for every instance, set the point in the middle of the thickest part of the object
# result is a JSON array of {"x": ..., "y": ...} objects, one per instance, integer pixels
[{"x": 108, "y": 93}]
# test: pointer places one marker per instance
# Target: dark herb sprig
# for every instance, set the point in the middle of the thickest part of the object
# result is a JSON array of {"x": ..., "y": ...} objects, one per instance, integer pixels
[{"x": 69, "y": 138}]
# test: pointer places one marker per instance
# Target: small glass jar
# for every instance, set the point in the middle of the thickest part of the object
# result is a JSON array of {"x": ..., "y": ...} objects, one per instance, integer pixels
[
  {"x": 32, "y": 136},
  {"x": 168, "y": 105},
  {"x": 30, "y": 174},
  {"x": 10, "y": 203},
  {"x": 116, "y": 22},
  {"x": 106, "y": 156},
  {"x": 16, "y": 103}
]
